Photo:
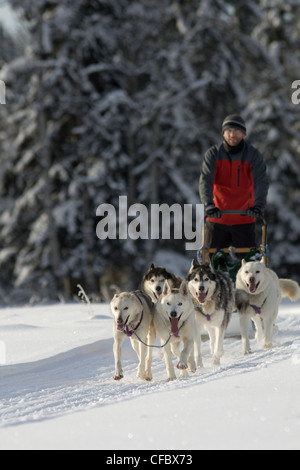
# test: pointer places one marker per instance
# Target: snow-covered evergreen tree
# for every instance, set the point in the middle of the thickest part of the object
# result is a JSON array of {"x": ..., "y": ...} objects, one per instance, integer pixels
[
  {"x": 123, "y": 97},
  {"x": 274, "y": 123}
]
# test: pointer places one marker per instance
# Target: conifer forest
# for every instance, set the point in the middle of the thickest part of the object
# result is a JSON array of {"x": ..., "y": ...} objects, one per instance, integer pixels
[{"x": 110, "y": 98}]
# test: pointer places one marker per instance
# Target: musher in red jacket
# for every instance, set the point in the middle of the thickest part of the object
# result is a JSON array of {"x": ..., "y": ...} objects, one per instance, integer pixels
[{"x": 233, "y": 176}]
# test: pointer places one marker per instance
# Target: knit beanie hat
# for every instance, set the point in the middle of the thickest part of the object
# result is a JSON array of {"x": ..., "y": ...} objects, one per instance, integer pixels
[{"x": 235, "y": 121}]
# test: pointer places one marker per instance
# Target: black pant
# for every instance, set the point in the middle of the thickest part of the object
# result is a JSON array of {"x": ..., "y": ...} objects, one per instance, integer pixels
[{"x": 222, "y": 236}]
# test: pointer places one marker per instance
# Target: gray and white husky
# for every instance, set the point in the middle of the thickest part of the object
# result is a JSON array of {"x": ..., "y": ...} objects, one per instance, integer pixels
[
  {"x": 264, "y": 290},
  {"x": 174, "y": 320},
  {"x": 133, "y": 314},
  {"x": 214, "y": 299},
  {"x": 153, "y": 281}
]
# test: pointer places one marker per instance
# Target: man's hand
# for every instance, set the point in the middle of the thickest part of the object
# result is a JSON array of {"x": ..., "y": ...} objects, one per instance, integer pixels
[
  {"x": 254, "y": 212},
  {"x": 213, "y": 212}
]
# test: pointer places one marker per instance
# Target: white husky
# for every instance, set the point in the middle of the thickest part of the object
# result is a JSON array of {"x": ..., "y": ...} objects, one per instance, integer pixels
[
  {"x": 265, "y": 291},
  {"x": 175, "y": 321},
  {"x": 133, "y": 314}
]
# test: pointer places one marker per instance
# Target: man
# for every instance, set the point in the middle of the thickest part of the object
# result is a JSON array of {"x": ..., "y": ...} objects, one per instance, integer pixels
[{"x": 233, "y": 177}]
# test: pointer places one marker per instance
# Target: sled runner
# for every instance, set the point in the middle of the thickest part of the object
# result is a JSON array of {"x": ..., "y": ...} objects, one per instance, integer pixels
[{"x": 225, "y": 259}]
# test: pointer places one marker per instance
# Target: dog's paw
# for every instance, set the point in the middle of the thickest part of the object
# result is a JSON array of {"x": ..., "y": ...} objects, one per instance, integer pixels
[
  {"x": 145, "y": 377},
  {"x": 216, "y": 361},
  {"x": 170, "y": 379},
  {"x": 181, "y": 365},
  {"x": 192, "y": 366},
  {"x": 268, "y": 345},
  {"x": 247, "y": 351},
  {"x": 200, "y": 364},
  {"x": 118, "y": 377}
]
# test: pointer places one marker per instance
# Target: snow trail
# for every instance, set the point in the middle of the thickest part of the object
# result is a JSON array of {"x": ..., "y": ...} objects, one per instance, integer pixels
[
  {"x": 81, "y": 378},
  {"x": 64, "y": 375}
]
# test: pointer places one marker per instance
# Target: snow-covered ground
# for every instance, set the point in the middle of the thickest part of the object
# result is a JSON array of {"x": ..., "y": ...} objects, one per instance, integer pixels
[{"x": 57, "y": 391}]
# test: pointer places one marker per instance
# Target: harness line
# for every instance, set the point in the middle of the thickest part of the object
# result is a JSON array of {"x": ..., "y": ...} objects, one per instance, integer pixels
[{"x": 152, "y": 345}]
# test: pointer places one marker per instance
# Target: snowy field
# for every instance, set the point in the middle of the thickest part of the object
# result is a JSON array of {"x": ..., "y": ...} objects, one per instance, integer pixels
[{"x": 57, "y": 390}]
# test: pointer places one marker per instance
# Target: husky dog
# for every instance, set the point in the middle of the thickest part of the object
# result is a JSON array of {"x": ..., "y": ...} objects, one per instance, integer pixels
[
  {"x": 154, "y": 279},
  {"x": 175, "y": 321},
  {"x": 264, "y": 291},
  {"x": 214, "y": 298},
  {"x": 133, "y": 314}
]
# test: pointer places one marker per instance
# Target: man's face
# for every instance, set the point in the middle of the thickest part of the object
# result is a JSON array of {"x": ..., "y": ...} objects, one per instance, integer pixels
[{"x": 233, "y": 136}]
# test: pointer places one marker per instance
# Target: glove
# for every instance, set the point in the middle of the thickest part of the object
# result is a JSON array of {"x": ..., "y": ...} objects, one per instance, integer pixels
[
  {"x": 213, "y": 212},
  {"x": 254, "y": 212}
]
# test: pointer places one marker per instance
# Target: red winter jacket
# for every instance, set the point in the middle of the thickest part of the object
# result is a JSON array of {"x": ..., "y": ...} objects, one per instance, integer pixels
[{"x": 233, "y": 181}]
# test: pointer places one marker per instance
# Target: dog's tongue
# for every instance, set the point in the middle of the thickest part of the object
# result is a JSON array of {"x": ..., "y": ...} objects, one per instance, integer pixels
[
  {"x": 201, "y": 297},
  {"x": 174, "y": 326},
  {"x": 252, "y": 288}
]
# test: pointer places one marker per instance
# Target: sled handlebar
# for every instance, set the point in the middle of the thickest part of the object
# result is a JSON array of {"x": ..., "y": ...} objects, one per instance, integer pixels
[{"x": 243, "y": 213}]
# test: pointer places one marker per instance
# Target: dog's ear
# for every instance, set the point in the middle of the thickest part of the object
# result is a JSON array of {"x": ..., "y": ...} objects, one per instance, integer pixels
[
  {"x": 152, "y": 267},
  {"x": 166, "y": 288},
  {"x": 184, "y": 288},
  {"x": 262, "y": 261},
  {"x": 194, "y": 265},
  {"x": 243, "y": 261}
]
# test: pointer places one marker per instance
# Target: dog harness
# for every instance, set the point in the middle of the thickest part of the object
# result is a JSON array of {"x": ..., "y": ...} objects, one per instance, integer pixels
[
  {"x": 126, "y": 330},
  {"x": 257, "y": 309},
  {"x": 208, "y": 317},
  {"x": 197, "y": 305}
]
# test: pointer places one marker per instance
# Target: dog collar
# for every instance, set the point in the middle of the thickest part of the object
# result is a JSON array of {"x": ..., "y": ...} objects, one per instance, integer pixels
[
  {"x": 206, "y": 315},
  {"x": 257, "y": 309},
  {"x": 199, "y": 308}
]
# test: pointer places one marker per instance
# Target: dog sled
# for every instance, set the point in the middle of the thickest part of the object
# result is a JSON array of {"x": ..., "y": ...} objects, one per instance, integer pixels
[{"x": 226, "y": 259}]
